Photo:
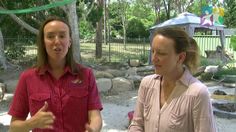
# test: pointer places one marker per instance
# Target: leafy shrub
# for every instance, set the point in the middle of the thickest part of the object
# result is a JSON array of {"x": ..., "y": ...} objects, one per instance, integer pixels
[
  {"x": 233, "y": 42},
  {"x": 220, "y": 74},
  {"x": 206, "y": 76},
  {"x": 206, "y": 62},
  {"x": 14, "y": 52},
  {"x": 144, "y": 58}
]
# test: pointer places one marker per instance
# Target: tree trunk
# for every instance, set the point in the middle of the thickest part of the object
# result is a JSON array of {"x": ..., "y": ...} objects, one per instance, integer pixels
[
  {"x": 108, "y": 24},
  {"x": 73, "y": 21},
  {"x": 105, "y": 22},
  {"x": 99, "y": 34},
  {"x": 2, "y": 55}
]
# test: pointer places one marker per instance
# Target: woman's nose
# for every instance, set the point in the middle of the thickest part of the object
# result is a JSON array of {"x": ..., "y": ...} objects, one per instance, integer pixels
[
  {"x": 57, "y": 39},
  {"x": 154, "y": 57}
]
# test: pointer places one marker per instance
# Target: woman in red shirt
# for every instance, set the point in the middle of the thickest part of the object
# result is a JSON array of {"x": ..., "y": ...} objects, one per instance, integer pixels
[{"x": 59, "y": 94}]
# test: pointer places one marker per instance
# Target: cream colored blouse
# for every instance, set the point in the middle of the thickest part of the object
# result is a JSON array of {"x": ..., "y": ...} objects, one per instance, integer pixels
[{"x": 188, "y": 108}]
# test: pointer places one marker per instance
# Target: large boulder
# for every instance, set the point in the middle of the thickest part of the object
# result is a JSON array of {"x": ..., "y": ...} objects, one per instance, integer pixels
[
  {"x": 116, "y": 73},
  {"x": 121, "y": 84},
  {"x": 103, "y": 74},
  {"x": 104, "y": 84}
]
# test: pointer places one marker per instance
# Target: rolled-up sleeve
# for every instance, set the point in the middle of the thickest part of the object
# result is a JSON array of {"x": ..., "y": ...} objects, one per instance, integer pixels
[{"x": 202, "y": 112}]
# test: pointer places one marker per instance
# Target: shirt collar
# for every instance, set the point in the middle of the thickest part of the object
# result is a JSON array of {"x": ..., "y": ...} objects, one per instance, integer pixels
[
  {"x": 184, "y": 79},
  {"x": 46, "y": 68},
  {"x": 157, "y": 76}
]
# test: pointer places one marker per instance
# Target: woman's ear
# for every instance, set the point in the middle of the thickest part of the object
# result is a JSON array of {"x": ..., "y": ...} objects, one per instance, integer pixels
[
  {"x": 182, "y": 57},
  {"x": 69, "y": 44}
]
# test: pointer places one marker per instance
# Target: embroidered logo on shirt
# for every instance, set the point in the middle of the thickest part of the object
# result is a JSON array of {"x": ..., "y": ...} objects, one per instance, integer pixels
[{"x": 76, "y": 81}]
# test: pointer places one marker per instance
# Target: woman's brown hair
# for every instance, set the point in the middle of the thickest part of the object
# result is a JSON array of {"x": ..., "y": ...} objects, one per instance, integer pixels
[
  {"x": 182, "y": 44},
  {"x": 42, "y": 57}
]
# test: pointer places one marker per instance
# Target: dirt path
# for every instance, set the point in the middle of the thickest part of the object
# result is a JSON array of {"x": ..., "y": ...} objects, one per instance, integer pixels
[{"x": 114, "y": 113}]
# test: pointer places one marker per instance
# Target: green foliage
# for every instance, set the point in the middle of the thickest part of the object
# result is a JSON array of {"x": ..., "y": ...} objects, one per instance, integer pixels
[
  {"x": 206, "y": 76},
  {"x": 230, "y": 11},
  {"x": 142, "y": 12},
  {"x": 144, "y": 58},
  {"x": 86, "y": 30},
  {"x": 116, "y": 12},
  {"x": 136, "y": 29},
  {"x": 220, "y": 74},
  {"x": 11, "y": 29},
  {"x": 206, "y": 62},
  {"x": 14, "y": 52},
  {"x": 136, "y": 13},
  {"x": 233, "y": 42},
  {"x": 95, "y": 14}
]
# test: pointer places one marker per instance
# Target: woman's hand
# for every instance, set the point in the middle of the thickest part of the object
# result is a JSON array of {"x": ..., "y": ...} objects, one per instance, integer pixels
[
  {"x": 89, "y": 128},
  {"x": 42, "y": 119}
]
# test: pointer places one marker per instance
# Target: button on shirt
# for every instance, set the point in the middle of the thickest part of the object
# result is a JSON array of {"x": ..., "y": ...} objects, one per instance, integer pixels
[
  {"x": 188, "y": 108},
  {"x": 69, "y": 98}
]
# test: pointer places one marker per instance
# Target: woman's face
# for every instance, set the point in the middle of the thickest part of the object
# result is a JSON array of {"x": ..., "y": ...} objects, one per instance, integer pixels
[
  {"x": 57, "y": 40},
  {"x": 164, "y": 57}
]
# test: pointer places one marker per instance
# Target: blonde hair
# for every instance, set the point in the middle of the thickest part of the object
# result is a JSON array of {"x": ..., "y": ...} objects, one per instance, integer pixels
[{"x": 193, "y": 55}]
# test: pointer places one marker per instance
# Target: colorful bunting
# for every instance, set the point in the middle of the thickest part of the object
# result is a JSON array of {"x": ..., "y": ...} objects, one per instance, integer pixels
[
  {"x": 212, "y": 15},
  {"x": 207, "y": 16},
  {"x": 218, "y": 13}
]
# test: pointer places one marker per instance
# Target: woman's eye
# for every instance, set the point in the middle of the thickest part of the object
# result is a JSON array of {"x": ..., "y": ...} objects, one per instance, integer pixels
[
  {"x": 160, "y": 53},
  {"x": 50, "y": 36},
  {"x": 62, "y": 36}
]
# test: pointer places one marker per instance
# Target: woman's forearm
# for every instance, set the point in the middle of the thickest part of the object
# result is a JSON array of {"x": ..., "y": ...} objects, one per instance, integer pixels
[
  {"x": 20, "y": 126},
  {"x": 95, "y": 120},
  {"x": 96, "y": 123}
]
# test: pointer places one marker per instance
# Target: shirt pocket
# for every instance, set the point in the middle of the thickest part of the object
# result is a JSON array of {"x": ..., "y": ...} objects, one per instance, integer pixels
[
  {"x": 177, "y": 121},
  {"x": 78, "y": 97},
  {"x": 78, "y": 92},
  {"x": 37, "y": 101}
]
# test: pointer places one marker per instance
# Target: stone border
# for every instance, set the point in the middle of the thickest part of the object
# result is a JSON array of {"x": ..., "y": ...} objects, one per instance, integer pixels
[{"x": 223, "y": 114}]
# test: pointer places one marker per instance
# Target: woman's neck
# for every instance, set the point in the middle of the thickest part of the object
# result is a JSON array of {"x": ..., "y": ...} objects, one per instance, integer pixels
[
  {"x": 57, "y": 69},
  {"x": 170, "y": 80},
  {"x": 57, "y": 65}
]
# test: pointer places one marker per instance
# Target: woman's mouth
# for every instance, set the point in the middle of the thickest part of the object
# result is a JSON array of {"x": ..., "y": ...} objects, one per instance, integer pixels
[{"x": 57, "y": 49}]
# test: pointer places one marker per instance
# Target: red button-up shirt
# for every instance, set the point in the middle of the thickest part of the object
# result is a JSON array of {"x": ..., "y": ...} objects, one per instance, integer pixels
[{"x": 69, "y": 98}]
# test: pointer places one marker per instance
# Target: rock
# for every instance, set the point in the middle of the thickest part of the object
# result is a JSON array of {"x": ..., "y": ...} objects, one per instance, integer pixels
[
  {"x": 132, "y": 71},
  {"x": 211, "y": 69},
  {"x": 3, "y": 90},
  {"x": 3, "y": 128},
  {"x": 103, "y": 74},
  {"x": 136, "y": 79},
  {"x": 219, "y": 92},
  {"x": 146, "y": 70},
  {"x": 228, "y": 107},
  {"x": 104, "y": 84},
  {"x": 134, "y": 62},
  {"x": 229, "y": 85},
  {"x": 116, "y": 73},
  {"x": 11, "y": 85},
  {"x": 121, "y": 84}
]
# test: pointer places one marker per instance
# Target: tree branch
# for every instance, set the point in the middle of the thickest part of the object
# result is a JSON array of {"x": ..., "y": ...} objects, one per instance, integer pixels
[{"x": 22, "y": 23}]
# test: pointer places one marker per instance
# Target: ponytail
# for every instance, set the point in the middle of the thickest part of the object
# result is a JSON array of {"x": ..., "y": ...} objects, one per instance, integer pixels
[{"x": 192, "y": 59}]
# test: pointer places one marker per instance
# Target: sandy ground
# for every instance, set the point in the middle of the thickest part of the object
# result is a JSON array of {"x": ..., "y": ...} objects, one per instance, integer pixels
[{"x": 115, "y": 112}]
